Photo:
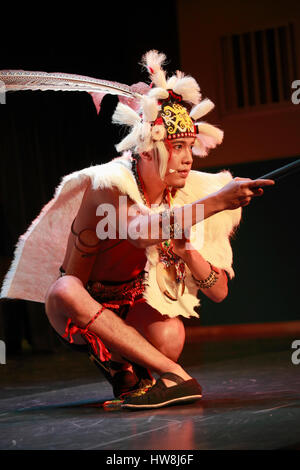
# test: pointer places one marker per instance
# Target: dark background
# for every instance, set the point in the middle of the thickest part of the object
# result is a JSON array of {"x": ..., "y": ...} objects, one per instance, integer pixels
[{"x": 45, "y": 135}]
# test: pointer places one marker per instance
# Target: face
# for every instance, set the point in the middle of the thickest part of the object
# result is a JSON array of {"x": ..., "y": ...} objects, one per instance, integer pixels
[{"x": 181, "y": 161}]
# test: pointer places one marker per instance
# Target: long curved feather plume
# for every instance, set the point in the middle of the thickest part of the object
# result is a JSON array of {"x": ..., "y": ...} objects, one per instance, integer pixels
[
  {"x": 15, "y": 80},
  {"x": 139, "y": 104}
]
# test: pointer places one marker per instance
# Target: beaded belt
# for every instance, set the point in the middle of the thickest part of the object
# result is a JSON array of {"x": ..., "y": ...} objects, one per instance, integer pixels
[
  {"x": 124, "y": 293},
  {"x": 116, "y": 297},
  {"x": 120, "y": 295}
]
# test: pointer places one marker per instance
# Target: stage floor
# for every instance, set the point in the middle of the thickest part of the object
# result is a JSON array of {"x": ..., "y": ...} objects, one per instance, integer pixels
[{"x": 251, "y": 400}]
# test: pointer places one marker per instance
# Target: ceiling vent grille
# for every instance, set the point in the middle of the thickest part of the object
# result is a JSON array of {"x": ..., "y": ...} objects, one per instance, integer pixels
[{"x": 258, "y": 67}]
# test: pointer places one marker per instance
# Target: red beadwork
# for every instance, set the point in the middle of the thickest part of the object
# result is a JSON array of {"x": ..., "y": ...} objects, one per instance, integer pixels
[
  {"x": 175, "y": 95},
  {"x": 159, "y": 121}
]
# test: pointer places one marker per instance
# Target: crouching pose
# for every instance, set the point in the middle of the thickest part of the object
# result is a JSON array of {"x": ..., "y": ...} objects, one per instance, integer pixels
[{"x": 131, "y": 242}]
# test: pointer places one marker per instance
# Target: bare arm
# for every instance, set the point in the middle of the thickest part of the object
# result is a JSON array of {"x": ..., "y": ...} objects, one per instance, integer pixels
[
  {"x": 201, "y": 269},
  {"x": 131, "y": 224},
  {"x": 237, "y": 193},
  {"x": 83, "y": 243}
]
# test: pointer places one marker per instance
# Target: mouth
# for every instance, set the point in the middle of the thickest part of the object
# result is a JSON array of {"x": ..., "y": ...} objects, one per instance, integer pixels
[{"x": 183, "y": 173}]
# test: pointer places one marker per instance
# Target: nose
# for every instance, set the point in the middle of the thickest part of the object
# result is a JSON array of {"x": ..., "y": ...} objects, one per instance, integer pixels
[{"x": 188, "y": 156}]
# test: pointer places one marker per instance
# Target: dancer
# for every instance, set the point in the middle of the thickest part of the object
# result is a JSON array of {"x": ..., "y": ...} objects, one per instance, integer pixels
[{"x": 135, "y": 239}]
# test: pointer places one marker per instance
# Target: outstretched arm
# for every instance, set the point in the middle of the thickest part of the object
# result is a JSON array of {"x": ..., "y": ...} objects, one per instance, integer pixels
[
  {"x": 237, "y": 193},
  {"x": 84, "y": 241}
]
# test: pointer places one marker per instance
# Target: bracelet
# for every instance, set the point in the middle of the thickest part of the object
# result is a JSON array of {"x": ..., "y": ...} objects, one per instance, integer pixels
[{"x": 209, "y": 281}]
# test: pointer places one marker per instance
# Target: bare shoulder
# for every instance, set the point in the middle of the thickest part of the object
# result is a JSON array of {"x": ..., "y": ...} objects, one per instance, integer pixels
[
  {"x": 92, "y": 198},
  {"x": 104, "y": 195}
]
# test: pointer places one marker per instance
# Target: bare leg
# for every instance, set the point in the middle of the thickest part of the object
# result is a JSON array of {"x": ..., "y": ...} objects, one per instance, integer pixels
[
  {"x": 67, "y": 297},
  {"x": 165, "y": 333}
]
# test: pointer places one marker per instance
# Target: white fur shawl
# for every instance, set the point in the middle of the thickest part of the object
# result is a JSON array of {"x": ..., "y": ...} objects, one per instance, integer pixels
[
  {"x": 40, "y": 251},
  {"x": 214, "y": 245}
]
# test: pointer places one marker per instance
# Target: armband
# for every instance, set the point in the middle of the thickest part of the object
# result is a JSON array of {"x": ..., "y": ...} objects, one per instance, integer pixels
[
  {"x": 87, "y": 242},
  {"x": 209, "y": 281}
]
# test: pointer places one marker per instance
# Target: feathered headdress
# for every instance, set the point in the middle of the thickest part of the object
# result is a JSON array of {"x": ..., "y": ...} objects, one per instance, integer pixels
[
  {"x": 171, "y": 109},
  {"x": 167, "y": 109}
]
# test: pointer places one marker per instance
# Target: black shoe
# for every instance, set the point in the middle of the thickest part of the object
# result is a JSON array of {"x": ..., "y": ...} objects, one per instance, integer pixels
[
  {"x": 146, "y": 379},
  {"x": 126, "y": 383},
  {"x": 123, "y": 381},
  {"x": 159, "y": 395},
  {"x": 102, "y": 366}
]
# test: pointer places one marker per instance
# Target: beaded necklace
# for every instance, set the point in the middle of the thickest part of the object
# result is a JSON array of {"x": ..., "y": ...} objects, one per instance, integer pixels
[
  {"x": 140, "y": 183},
  {"x": 166, "y": 254}
]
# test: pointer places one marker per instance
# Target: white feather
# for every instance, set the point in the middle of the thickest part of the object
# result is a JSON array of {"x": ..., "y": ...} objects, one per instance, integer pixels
[
  {"x": 16, "y": 80},
  {"x": 154, "y": 60},
  {"x": 201, "y": 109},
  {"x": 150, "y": 108},
  {"x": 158, "y": 93},
  {"x": 144, "y": 144},
  {"x": 159, "y": 79},
  {"x": 125, "y": 115},
  {"x": 199, "y": 149},
  {"x": 189, "y": 89},
  {"x": 130, "y": 140},
  {"x": 171, "y": 81},
  {"x": 209, "y": 130}
]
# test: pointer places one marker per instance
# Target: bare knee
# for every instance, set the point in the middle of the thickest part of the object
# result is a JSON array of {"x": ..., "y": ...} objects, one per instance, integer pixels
[
  {"x": 170, "y": 337},
  {"x": 62, "y": 293},
  {"x": 65, "y": 299}
]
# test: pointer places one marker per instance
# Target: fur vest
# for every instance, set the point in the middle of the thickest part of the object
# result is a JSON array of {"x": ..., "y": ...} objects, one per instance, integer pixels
[{"x": 40, "y": 251}]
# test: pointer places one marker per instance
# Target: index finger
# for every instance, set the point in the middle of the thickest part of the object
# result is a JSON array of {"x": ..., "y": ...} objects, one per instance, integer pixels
[{"x": 259, "y": 183}]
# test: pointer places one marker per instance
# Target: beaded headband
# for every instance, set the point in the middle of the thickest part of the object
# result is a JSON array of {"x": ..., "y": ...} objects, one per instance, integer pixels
[{"x": 176, "y": 120}]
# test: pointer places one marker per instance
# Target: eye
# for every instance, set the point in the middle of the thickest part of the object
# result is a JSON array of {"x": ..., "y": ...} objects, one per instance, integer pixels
[{"x": 178, "y": 146}]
